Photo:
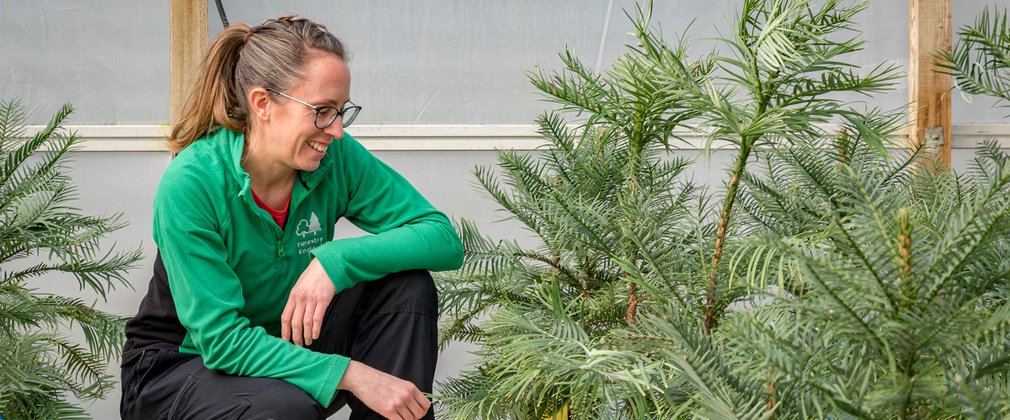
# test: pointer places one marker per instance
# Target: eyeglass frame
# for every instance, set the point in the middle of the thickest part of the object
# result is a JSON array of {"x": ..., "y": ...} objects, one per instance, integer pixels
[{"x": 320, "y": 108}]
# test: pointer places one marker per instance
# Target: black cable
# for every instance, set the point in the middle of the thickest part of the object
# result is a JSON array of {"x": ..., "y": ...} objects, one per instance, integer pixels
[{"x": 220, "y": 11}]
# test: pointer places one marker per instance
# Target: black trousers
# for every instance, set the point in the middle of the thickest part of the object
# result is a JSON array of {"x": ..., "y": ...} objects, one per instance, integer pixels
[{"x": 389, "y": 324}]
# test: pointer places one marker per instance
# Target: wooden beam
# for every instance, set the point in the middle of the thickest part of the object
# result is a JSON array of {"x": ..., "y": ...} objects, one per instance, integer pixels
[
  {"x": 187, "y": 22},
  {"x": 929, "y": 32}
]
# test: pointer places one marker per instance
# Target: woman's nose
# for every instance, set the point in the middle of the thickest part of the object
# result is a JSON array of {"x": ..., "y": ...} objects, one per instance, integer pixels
[{"x": 336, "y": 130}]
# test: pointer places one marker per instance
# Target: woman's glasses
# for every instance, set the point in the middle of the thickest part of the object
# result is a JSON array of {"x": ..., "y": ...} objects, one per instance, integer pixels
[{"x": 326, "y": 115}]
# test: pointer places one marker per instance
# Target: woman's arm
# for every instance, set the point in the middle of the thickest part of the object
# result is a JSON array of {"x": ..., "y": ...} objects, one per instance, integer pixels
[
  {"x": 408, "y": 232},
  {"x": 209, "y": 296}
]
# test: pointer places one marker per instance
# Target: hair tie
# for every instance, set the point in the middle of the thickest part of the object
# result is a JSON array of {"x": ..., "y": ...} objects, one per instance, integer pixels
[{"x": 245, "y": 39}]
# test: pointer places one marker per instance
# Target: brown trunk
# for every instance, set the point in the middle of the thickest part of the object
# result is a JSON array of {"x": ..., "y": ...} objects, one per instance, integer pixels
[
  {"x": 711, "y": 319},
  {"x": 632, "y": 314},
  {"x": 720, "y": 237},
  {"x": 771, "y": 400}
]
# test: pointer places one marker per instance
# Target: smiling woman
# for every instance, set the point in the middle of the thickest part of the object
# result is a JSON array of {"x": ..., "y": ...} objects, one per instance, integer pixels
[
  {"x": 284, "y": 135},
  {"x": 249, "y": 315}
]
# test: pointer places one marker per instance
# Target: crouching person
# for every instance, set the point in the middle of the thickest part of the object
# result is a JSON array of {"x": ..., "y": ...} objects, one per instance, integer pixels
[{"x": 254, "y": 312}]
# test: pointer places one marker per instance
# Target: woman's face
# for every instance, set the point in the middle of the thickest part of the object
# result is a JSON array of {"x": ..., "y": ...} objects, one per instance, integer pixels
[{"x": 290, "y": 136}]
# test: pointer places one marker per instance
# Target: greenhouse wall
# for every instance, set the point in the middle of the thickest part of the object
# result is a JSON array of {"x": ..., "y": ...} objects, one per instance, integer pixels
[{"x": 442, "y": 83}]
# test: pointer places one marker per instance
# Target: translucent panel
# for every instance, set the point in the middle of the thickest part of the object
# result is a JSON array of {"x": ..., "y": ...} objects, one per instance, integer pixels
[
  {"x": 424, "y": 61},
  {"x": 109, "y": 58}
]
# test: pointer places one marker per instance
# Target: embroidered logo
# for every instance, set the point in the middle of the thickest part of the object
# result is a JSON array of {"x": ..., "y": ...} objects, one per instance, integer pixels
[{"x": 308, "y": 227}]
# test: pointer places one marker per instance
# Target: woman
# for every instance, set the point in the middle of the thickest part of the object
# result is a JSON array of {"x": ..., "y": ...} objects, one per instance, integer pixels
[{"x": 253, "y": 311}]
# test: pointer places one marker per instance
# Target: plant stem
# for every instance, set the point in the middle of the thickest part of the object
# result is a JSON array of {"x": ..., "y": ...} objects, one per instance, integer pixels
[
  {"x": 632, "y": 313},
  {"x": 711, "y": 321},
  {"x": 771, "y": 400}
]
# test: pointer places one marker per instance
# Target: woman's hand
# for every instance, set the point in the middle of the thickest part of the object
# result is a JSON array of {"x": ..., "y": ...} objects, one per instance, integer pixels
[
  {"x": 302, "y": 319},
  {"x": 391, "y": 397}
]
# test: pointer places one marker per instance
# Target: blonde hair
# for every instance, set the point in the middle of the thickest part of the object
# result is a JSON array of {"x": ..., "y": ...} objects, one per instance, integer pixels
[{"x": 271, "y": 55}]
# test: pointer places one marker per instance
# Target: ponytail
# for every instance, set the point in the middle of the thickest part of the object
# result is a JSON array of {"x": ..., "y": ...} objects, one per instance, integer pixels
[
  {"x": 270, "y": 55},
  {"x": 215, "y": 96}
]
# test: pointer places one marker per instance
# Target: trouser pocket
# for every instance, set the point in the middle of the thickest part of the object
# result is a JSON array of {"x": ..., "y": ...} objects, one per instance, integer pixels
[{"x": 133, "y": 377}]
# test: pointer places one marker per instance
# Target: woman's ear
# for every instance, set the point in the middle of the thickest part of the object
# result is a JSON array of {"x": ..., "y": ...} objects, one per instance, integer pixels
[{"x": 259, "y": 104}]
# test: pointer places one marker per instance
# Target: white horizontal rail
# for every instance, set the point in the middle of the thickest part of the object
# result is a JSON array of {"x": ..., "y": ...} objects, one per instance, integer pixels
[{"x": 147, "y": 138}]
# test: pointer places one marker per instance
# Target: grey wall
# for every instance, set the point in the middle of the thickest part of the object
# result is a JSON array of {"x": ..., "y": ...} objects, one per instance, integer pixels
[
  {"x": 109, "y": 58},
  {"x": 966, "y": 109},
  {"x": 425, "y": 61},
  {"x": 437, "y": 61}
]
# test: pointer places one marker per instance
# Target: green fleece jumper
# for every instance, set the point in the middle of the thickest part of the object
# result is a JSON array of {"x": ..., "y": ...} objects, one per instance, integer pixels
[{"x": 231, "y": 267}]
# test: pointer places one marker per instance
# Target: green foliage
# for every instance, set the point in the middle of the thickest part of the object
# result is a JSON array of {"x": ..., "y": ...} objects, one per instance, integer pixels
[
  {"x": 980, "y": 60},
  {"x": 544, "y": 315},
  {"x": 614, "y": 313},
  {"x": 880, "y": 282},
  {"x": 778, "y": 85},
  {"x": 902, "y": 314},
  {"x": 41, "y": 235}
]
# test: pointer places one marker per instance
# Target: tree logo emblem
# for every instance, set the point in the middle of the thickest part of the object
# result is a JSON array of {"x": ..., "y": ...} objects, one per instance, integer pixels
[{"x": 308, "y": 227}]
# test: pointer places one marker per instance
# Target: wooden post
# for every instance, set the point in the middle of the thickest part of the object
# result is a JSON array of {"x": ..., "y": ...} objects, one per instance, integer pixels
[
  {"x": 187, "y": 22},
  {"x": 929, "y": 32}
]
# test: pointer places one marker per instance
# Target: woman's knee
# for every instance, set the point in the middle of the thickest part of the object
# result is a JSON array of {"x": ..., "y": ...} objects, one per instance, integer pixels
[
  {"x": 415, "y": 288},
  {"x": 283, "y": 401},
  {"x": 212, "y": 394}
]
